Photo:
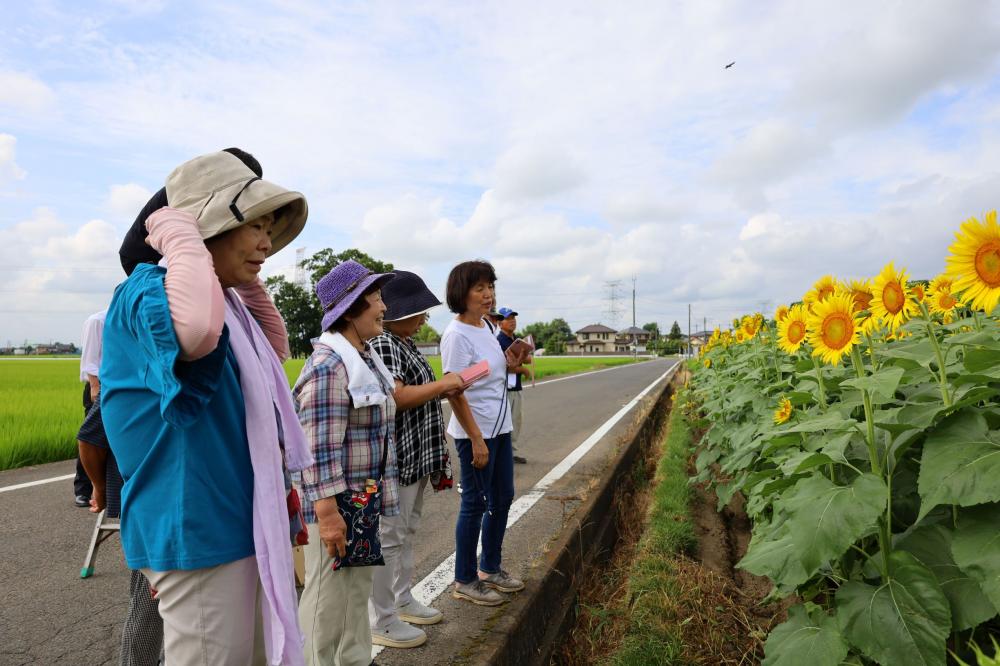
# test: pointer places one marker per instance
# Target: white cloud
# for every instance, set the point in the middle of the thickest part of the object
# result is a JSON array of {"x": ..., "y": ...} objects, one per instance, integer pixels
[
  {"x": 55, "y": 274},
  {"x": 22, "y": 92},
  {"x": 125, "y": 201},
  {"x": 9, "y": 170},
  {"x": 534, "y": 171}
]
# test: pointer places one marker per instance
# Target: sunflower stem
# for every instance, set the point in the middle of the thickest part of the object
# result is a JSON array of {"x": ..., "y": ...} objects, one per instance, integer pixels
[
  {"x": 871, "y": 350},
  {"x": 942, "y": 374},
  {"x": 884, "y": 532},
  {"x": 819, "y": 382},
  {"x": 859, "y": 369}
]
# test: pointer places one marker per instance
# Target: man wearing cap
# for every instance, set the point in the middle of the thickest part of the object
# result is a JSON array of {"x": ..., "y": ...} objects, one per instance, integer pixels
[
  {"x": 508, "y": 324},
  {"x": 421, "y": 456},
  {"x": 200, "y": 419}
]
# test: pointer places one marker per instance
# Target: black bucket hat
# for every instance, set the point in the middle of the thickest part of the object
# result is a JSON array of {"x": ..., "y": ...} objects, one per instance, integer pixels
[{"x": 405, "y": 296}]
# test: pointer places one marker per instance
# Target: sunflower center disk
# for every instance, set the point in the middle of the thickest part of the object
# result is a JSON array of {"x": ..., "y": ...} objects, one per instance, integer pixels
[
  {"x": 892, "y": 298},
  {"x": 988, "y": 263},
  {"x": 796, "y": 331},
  {"x": 837, "y": 331}
]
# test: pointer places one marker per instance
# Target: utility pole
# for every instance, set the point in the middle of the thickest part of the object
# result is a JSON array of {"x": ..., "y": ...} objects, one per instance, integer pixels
[
  {"x": 689, "y": 329},
  {"x": 635, "y": 340},
  {"x": 704, "y": 324}
]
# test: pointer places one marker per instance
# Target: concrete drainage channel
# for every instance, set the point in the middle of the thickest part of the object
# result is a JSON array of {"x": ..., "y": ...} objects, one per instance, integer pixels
[{"x": 527, "y": 631}]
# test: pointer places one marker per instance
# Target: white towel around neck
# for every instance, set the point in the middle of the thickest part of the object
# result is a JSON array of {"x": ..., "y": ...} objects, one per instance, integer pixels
[{"x": 365, "y": 388}]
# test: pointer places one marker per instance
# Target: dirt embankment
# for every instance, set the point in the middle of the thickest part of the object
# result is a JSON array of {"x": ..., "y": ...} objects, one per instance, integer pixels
[{"x": 714, "y": 610}]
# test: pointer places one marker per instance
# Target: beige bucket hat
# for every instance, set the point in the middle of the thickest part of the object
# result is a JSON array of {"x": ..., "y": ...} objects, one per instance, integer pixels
[{"x": 223, "y": 193}]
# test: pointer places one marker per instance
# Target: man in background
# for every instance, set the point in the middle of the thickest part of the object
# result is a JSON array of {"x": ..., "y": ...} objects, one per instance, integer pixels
[
  {"x": 508, "y": 324},
  {"x": 90, "y": 366}
]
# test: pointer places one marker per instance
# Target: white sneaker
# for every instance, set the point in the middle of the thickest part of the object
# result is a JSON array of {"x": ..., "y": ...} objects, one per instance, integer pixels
[
  {"x": 416, "y": 613},
  {"x": 399, "y": 635}
]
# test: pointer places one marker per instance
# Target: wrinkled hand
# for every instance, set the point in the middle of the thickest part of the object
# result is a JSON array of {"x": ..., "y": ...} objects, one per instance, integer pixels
[
  {"x": 452, "y": 384},
  {"x": 333, "y": 533},
  {"x": 480, "y": 453}
]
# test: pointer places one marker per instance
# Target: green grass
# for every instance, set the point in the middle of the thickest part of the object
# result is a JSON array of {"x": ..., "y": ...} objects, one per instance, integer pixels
[
  {"x": 40, "y": 408},
  {"x": 40, "y": 411},
  {"x": 652, "y": 634}
]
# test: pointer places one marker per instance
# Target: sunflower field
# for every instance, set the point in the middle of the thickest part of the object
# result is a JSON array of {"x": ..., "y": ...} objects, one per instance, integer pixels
[{"x": 862, "y": 425}]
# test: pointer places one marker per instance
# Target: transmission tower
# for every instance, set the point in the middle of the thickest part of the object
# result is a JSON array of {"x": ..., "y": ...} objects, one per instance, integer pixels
[
  {"x": 301, "y": 278},
  {"x": 614, "y": 309}
]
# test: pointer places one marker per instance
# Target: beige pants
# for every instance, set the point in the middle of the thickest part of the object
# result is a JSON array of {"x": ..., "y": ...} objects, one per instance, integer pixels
[
  {"x": 211, "y": 616},
  {"x": 391, "y": 584},
  {"x": 514, "y": 398},
  {"x": 333, "y": 610}
]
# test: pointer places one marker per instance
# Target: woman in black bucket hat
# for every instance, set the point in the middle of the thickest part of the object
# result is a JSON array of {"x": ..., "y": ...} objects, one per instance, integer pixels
[{"x": 421, "y": 458}]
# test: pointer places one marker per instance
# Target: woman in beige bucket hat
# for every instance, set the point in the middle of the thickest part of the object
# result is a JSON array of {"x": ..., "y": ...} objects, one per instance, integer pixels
[{"x": 199, "y": 416}]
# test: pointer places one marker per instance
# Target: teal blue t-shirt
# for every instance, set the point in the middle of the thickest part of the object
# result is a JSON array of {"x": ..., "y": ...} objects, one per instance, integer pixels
[{"x": 178, "y": 431}]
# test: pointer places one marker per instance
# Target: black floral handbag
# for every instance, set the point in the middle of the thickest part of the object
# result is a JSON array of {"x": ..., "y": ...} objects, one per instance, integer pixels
[{"x": 361, "y": 511}]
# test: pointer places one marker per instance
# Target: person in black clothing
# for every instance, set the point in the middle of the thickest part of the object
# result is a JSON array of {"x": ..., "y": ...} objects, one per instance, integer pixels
[{"x": 508, "y": 324}]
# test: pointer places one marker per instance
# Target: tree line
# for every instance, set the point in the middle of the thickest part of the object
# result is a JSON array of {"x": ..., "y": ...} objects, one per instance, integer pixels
[{"x": 301, "y": 310}]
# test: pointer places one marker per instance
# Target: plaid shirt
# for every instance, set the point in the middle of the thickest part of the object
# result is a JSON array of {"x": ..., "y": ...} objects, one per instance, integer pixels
[
  {"x": 421, "y": 448},
  {"x": 346, "y": 442}
]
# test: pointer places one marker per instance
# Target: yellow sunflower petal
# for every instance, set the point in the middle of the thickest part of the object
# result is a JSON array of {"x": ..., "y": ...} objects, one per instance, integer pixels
[
  {"x": 792, "y": 329},
  {"x": 974, "y": 262},
  {"x": 833, "y": 330},
  {"x": 892, "y": 302}
]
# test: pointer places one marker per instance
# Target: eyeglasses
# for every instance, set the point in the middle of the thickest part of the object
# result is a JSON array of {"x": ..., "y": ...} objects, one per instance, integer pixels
[{"x": 232, "y": 205}]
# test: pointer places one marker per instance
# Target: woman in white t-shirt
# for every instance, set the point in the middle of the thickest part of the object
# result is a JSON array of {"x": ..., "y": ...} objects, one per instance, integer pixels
[{"x": 480, "y": 424}]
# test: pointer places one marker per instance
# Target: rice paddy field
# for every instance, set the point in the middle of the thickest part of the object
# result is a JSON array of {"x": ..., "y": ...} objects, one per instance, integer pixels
[{"x": 41, "y": 410}]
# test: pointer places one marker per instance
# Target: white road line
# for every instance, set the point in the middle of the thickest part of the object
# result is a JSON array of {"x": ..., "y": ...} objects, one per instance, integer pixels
[
  {"x": 36, "y": 483},
  {"x": 549, "y": 381},
  {"x": 443, "y": 575}
]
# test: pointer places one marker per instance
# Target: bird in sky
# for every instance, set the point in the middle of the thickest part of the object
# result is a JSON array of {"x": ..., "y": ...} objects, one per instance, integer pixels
[{"x": 730, "y": 65}]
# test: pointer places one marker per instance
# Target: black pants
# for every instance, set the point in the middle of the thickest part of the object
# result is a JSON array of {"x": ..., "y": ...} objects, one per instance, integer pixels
[{"x": 82, "y": 484}]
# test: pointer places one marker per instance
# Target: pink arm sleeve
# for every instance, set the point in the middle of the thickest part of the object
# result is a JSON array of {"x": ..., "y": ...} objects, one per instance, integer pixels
[
  {"x": 197, "y": 305},
  {"x": 255, "y": 297}
]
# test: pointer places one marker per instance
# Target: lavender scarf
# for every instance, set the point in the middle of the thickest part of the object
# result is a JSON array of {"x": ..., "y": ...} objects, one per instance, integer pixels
[{"x": 266, "y": 394}]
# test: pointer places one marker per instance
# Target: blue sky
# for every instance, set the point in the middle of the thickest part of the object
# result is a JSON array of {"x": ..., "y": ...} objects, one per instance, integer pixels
[{"x": 570, "y": 143}]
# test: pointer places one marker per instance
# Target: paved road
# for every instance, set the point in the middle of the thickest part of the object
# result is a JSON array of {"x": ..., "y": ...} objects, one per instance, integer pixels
[{"x": 48, "y": 615}]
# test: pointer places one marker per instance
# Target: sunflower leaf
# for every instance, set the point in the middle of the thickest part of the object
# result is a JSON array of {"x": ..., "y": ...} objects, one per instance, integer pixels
[
  {"x": 976, "y": 548},
  {"x": 805, "y": 638},
  {"x": 960, "y": 463},
  {"x": 905, "y": 620},
  {"x": 880, "y": 384},
  {"x": 932, "y": 545},
  {"x": 825, "y": 519}
]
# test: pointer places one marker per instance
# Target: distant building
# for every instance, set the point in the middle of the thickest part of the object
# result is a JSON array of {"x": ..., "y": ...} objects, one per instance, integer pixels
[
  {"x": 54, "y": 348},
  {"x": 601, "y": 339},
  {"x": 429, "y": 348}
]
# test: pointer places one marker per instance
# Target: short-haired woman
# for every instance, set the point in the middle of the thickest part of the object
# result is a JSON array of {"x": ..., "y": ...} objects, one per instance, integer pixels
[
  {"x": 345, "y": 405},
  {"x": 421, "y": 456},
  {"x": 481, "y": 425},
  {"x": 200, "y": 419}
]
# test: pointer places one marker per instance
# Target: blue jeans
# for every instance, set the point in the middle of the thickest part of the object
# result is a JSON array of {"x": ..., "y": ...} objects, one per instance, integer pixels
[{"x": 486, "y": 497}]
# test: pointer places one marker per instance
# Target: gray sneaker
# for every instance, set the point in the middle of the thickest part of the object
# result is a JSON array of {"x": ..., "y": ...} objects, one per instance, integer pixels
[
  {"x": 399, "y": 635},
  {"x": 416, "y": 613},
  {"x": 477, "y": 593},
  {"x": 501, "y": 581}
]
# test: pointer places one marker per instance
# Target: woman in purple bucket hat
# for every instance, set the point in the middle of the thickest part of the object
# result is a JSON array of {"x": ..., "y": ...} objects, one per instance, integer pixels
[{"x": 345, "y": 405}]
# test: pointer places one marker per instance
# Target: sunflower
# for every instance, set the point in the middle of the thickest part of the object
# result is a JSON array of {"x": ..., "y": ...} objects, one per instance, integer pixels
[
  {"x": 942, "y": 302},
  {"x": 740, "y": 336},
  {"x": 783, "y": 412},
  {"x": 941, "y": 282},
  {"x": 781, "y": 313},
  {"x": 750, "y": 325},
  {"x": 974, "y": 262},
  {"x": 825, "y": 287},
  {"x": 919, "y": 293},
  {"x": 891, "y": 302},
  {"x": 707, "y": 362},
  {"x": 861, "y": 295},
  {"x": 792, "y": 329},
  {"x": 832, "y": 328}
]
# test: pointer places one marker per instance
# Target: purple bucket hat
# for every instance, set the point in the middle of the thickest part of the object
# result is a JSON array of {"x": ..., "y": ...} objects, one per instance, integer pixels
[{"x": 338, "y": 289}]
